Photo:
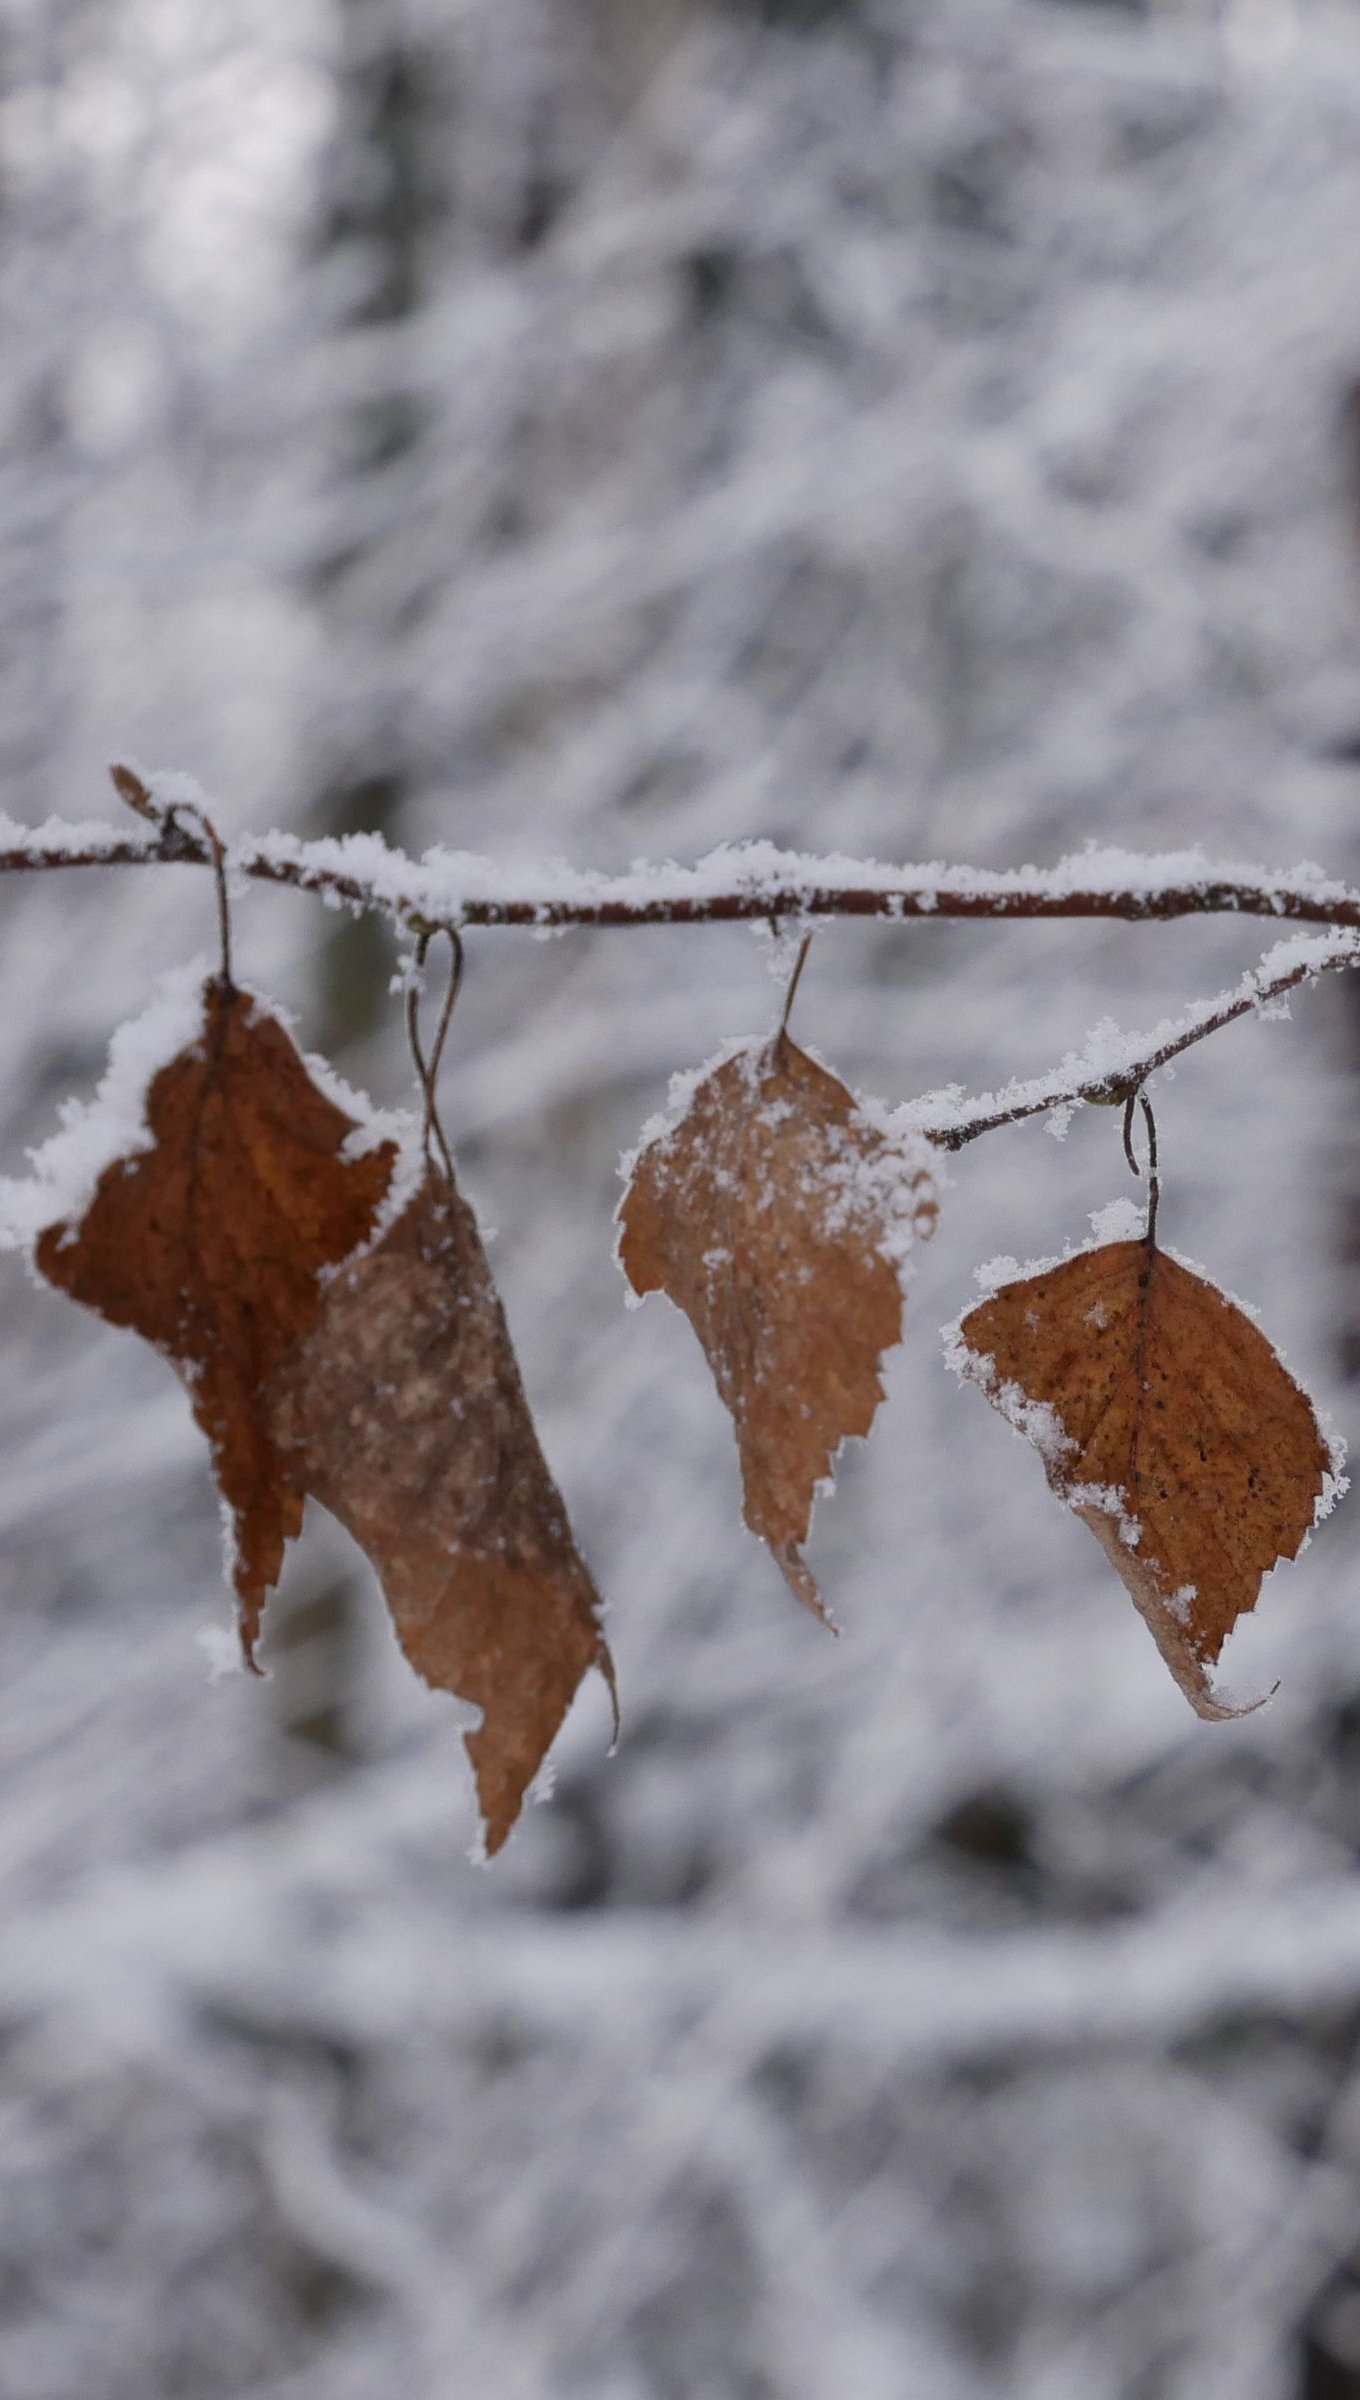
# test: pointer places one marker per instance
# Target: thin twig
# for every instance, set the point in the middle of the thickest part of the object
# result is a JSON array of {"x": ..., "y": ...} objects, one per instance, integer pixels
[
  {"x": 1139, "y": 1099},
  {"x": 427, "y": 1069},
  {"x": 1257, "y": 993},
  {"x": 781, "y": 1030},
  {"x": 189, "y": 808}
]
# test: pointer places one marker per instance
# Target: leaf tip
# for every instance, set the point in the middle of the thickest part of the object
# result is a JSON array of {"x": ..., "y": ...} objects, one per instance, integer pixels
[
  {"x": 802, "y": 1582},
  {"x": 604, "y": 1661}
]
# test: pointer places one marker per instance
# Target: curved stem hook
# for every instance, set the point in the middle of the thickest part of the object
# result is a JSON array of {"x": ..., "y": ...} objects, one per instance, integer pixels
[
  {"x": 427, "y": 1069},
  {"x": 1138, "y": 1099}
]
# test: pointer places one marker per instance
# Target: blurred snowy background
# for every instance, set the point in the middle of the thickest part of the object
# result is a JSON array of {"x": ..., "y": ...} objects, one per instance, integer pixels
[{"x": 597, "y": 428}]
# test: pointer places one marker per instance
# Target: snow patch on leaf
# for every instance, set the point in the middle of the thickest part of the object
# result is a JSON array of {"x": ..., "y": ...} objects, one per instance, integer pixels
[
  {"x": 111, "y": 1125},
  {"x": 1195, "y": 1458},
  {"x": 680, "y": 1092},
  {"x": 780, "y": 1213},
  {"x": 1037, "y": 1421},
  {"x": 1118, "y": 1221}
]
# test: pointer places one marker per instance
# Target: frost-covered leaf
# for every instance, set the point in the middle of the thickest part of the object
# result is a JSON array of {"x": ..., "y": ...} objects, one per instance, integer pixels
[
  {"x": 208, "y": 1231},
  {"x": 1167, "y": 1422},
  {"x": 780, "y": 1217},
  {"x": 404, "y": 1414}
]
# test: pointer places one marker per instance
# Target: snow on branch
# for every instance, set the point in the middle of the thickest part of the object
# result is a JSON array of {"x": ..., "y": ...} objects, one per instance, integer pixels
[
  {"x": 755, "y": 881},
  {"x": 747, "y": 881},
  {"x": 1114, "y": 1064},
  {"x": 740, "y": 881}
]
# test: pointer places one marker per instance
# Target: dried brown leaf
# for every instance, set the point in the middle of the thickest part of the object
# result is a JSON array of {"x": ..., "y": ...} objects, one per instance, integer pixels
[
  {"x": 404, "y": 1414},
  {"x": 1167, "y": 1422},
  {"x": 777, "y": 1215},
  {"x": 211, "y": 1243}
]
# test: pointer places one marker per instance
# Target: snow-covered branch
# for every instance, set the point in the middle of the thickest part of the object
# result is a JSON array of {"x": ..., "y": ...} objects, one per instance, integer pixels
[
  {"x": 1113, "y": 1064},
  {"x": 755, "y": 881},
  {"x": 737, "y": 882}
]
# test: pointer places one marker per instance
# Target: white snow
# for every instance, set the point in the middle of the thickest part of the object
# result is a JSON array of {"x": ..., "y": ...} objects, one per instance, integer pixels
[
  {"x": 221, "y": 1648},
  {"x": 112, "y": 1125},
  {"x": 1111, "y": 1057},
  {"x": 59, "y": 839},
  {"x": 1121, "y": 1220},
  {"x": 1038, "y": 1421},
  {"x": 684, "y": 1083},
  {"x": 444, "y": 884},
  {"x": 1111, "y": 1501}
]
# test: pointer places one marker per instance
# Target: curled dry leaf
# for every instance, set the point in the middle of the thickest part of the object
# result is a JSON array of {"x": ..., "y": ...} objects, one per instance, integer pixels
[
  {"x": 211, "y": 1240},
  {"x": 404, "y": 1414},
  {"x": 779, "y": 1217},
  {"x": 1167, "y": 1422}
]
